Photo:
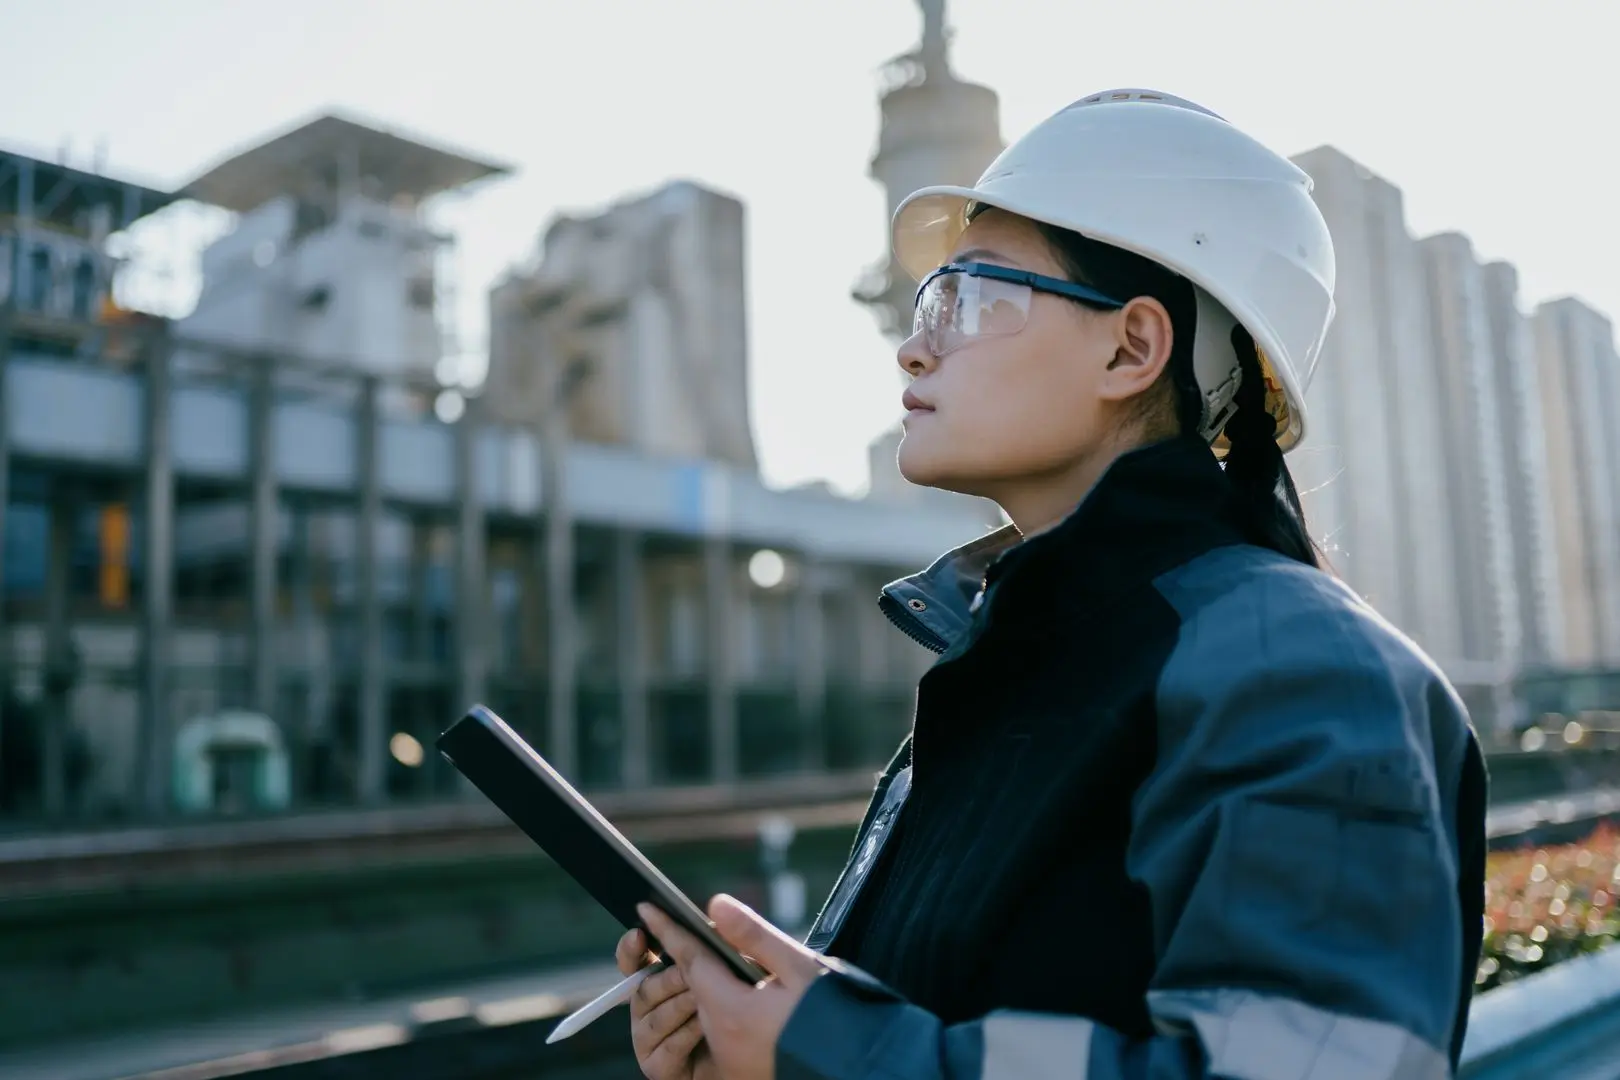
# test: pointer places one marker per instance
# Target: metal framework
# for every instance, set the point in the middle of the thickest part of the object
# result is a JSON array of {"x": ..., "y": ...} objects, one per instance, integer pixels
[
  {"x": 44, "y": 192},
  {"x": 72, "y": 427},
  {"x": 47, "y": 207}
]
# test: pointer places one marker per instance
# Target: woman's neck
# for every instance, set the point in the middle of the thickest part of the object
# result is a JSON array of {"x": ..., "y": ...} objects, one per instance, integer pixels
[{"x": 1035, "y": 504}]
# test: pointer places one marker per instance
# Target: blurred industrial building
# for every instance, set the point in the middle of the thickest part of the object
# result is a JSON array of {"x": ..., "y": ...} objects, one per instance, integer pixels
[
  {"x": 271, "y": 538},
  {"x": 254, "y": 512},
  {"x": 255, "y": 558}
]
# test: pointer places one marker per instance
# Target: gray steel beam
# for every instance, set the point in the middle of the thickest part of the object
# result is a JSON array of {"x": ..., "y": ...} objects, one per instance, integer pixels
[
  {"x": 630, "y": 602},
  {"x": 59, "y": 653},
  {"x": 558, "y": 555},
  {"x": 719, "y": 603},
  {"x": 130, "y": 209},
  {"x": 421, "y": 624},
  {"x": 810, "y": 660},
  {"x": 471, "y": 634},
  {"x": 22, "y": 280},
  {"x": 6, "y": 308},
  {"x": 157, "y": 602},
  {"x": 263, "y": 531},
  {"x": 25, "y": 190},
  {"x": 420, "y": 658},
  {"x": 372, "y": 690},
  {"x": 310, "y": 723}
]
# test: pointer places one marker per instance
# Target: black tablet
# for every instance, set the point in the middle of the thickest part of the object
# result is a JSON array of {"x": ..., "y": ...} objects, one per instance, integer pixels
[{"x": 572, "y": 831}]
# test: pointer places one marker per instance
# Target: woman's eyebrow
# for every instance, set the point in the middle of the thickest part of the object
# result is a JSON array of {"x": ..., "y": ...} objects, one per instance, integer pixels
[{"x": 973, "y": 254}]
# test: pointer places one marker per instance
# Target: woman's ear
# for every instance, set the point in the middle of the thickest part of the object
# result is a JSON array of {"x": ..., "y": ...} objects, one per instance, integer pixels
[{"x": 1143, "y": 340}]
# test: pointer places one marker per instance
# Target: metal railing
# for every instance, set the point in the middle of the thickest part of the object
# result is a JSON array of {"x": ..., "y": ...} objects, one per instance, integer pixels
[{"x": 1560, "y": 1023}]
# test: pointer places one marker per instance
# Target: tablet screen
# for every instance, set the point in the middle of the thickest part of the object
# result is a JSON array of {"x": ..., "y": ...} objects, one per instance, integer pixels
[{"x": 573, "y": 832}]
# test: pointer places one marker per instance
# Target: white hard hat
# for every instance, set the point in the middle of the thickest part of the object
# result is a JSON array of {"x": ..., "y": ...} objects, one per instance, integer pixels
[{"x": 1170, "y": 181}]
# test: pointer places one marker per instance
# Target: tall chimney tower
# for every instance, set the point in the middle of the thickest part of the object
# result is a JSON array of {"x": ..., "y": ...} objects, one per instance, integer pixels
[{"x": 937, "y": 129}]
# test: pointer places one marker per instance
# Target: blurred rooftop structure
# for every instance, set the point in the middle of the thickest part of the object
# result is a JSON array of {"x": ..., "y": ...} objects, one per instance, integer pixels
[
  {"x": 330, "y": 256},
  {"x": 333, "y": 154}
]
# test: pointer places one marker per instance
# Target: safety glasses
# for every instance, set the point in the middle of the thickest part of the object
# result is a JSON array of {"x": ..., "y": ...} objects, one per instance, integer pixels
[{"x": 963, "y": 301}]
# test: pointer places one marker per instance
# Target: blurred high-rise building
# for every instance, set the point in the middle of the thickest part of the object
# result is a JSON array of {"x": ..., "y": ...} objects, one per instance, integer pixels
[
  {"x": 1375, "y": 474},
  {"x": 1520, "y": 431},
  {"x": 1580, "y": 382},
  {"x": 1477, "y": 508}
]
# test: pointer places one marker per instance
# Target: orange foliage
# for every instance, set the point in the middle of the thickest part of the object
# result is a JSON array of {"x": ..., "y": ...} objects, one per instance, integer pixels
[{"x": 1543, "y": 905}]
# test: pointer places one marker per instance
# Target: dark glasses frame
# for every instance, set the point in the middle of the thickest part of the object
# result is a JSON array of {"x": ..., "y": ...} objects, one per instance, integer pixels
[{"x": 1038, "y": 282}]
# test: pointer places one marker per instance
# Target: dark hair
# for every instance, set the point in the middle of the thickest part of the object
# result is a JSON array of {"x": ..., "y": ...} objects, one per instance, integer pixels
[{"x": 1263, "y": 487}]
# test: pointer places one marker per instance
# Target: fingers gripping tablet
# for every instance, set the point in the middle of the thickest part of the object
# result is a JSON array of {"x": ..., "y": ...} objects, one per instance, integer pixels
[{"x": 573, "y": 832}]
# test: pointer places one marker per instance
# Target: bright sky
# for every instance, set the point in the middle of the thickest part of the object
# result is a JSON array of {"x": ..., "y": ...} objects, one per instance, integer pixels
[{"x": 1495, "y": 118}]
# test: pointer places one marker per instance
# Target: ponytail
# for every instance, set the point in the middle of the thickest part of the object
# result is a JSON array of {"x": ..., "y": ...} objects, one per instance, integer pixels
[{"x": 1264, "y": 489}]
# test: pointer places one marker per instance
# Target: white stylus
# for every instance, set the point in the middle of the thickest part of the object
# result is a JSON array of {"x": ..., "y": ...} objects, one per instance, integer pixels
[{"x": 615, "y": 996}]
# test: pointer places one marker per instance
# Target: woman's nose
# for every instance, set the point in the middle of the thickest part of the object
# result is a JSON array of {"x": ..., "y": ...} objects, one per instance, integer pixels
[{"x": 914, "y": 356}]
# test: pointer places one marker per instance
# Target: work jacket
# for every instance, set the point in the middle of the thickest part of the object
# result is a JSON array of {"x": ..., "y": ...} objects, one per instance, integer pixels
[{"x": 1172, "y": 806}]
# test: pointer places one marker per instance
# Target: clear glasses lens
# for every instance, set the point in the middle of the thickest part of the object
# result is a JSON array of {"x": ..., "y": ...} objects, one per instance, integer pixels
[{"x": 955, "y": 308}]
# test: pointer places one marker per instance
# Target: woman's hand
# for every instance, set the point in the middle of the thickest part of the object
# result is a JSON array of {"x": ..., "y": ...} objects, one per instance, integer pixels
[
  {"x": 740, "y": 1023},
  {"x": 664, "y": 1027}
]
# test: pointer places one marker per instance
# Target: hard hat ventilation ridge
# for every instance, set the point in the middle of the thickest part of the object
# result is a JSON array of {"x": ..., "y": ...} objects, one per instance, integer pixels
[{"x": 1109, "y": 97}]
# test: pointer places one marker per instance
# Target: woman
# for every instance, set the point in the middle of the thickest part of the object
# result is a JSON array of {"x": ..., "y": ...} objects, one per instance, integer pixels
[{"x": 1175, "y": 803}]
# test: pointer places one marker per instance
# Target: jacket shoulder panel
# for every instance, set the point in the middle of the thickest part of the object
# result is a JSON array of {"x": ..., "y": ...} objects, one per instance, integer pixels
[{"x": 1255, "y": 623}]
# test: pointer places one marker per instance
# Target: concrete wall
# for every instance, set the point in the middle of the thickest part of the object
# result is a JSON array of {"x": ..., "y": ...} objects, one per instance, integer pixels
[{"x": 649, "y": 298}]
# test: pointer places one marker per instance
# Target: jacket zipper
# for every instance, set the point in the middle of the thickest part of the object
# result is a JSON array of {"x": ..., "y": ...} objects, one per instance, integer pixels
[{"x": 910, "y": 626}]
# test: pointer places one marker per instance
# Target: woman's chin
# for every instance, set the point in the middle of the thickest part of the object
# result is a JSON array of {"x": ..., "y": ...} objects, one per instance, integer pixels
[
  {"x": 927, "y": 461},
  {"x": 922, "y": 471}
]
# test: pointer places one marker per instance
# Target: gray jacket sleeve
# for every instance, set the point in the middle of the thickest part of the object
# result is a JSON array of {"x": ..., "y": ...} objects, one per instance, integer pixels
[{"x": 1299, "y": 862}]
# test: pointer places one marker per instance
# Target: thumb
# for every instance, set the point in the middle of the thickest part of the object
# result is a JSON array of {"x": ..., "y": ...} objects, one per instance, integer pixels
[{"x": 752, "y": 935}]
